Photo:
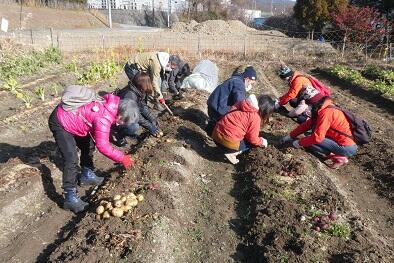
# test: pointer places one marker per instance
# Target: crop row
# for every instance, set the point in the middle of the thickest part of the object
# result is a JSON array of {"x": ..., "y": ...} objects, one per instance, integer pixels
[{"x": 372, "y": 78}]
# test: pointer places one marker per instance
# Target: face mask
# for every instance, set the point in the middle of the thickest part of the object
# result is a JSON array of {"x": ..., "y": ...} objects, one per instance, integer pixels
[{"x": 248, "y": 87}]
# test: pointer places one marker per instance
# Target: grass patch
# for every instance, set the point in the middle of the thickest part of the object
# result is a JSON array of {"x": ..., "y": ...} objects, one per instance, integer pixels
[{"x": 339, "y": 230}]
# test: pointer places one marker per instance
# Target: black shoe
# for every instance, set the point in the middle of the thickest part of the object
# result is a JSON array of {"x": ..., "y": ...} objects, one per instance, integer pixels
[{"x": 178, "y": 96}]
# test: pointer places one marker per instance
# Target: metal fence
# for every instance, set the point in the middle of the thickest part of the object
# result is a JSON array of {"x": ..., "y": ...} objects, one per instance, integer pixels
[{"x": 272, "y": 44}]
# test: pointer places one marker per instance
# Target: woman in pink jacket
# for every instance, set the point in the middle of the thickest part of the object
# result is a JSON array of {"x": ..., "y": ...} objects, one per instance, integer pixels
[{"x": 87, "y": 127}]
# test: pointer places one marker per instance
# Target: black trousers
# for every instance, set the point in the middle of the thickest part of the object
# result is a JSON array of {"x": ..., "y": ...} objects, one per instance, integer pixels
[{"x": 68, "y": 144}]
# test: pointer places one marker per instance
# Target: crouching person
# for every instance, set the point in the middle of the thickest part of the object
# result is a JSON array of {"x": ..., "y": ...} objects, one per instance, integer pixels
[
  {"x": 76, "y": 124},
  {"x": 331, "y": 134},
  {"x": 239, "y": 128},
  {"x": 137, "y": 90}
]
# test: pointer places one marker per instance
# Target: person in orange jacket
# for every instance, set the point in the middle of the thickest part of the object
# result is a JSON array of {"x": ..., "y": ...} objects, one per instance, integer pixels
[
  {"x": 240, "y": 127},
  {"x": 296, "y": 82},
  {"x": 328, "y": 125}
]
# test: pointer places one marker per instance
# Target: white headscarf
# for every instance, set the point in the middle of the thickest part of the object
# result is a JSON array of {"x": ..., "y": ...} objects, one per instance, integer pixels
[{"x": 163, "y": 57}]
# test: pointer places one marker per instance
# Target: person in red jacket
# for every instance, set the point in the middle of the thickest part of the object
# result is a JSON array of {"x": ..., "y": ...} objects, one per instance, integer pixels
[
  {"x": 87, "y": 127},
  {"x": 240, "y": 127},
  {"x": 328, "y": 125}
]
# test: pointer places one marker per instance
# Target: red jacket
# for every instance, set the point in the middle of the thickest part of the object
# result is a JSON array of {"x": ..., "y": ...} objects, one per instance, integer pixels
[
  {"x": 327, "y": 120},
  {"x": 241, "y": 122},
  {"x": 100, "y": 120},
  {"x": 295, "y": 87}
]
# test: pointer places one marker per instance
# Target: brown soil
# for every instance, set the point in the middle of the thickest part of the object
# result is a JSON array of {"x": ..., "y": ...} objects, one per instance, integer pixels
[
  {"x": 198, "y": 207},
  {"x": 32, "y": 18}
]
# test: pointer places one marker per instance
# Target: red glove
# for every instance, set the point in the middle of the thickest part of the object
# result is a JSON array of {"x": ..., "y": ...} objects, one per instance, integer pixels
[
  {"x": 127, "y": 161},
  {"x": 162, "y": 101}
]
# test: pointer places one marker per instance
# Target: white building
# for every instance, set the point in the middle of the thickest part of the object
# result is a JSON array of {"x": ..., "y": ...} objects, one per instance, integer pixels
[{"x": 163, "y": 5}]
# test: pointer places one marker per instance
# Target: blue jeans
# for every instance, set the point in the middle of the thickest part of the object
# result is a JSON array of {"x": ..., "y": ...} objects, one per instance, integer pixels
[
  {"x": 244, "y": 145},
  {"x": 127, "y": 130},
  {"x": 328, "y": 146}
]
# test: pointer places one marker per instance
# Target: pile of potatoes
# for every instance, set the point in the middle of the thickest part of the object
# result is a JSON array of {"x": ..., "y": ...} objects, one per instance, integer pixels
[{"x": 120, "y": 205}]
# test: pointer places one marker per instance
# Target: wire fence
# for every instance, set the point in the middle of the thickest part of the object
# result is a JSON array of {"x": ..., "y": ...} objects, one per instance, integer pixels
[{"x": 272, "y": 44}]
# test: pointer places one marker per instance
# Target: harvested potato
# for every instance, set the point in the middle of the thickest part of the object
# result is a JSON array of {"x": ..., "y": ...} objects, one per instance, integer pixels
[
  {"x": 103, "y": 202},
  {"x": 117, "y": 212},
  {"x": 108, "y": 206},
  {"x": 123, "y": 198},
  {"x": 140, "y": 198},
  {"x": 100, "y": 209},
  {"x": 127, "y": 208},
  {"x": 117, "y": 197},
  {"x": 132, "y": 202},
  {"x": 131, "y": 196},
  {"x": 106, "y": 215},
  {"x": 118, "y": 203}
]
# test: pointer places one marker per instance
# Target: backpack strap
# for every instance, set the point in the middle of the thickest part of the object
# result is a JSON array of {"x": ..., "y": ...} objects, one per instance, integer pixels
[{"x": 342, "y": 133}]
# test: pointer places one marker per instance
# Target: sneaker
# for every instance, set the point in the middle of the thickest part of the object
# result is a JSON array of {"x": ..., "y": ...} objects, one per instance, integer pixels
[
  {"x": 73, "y": 202},
  {"x": 88, "y": 177},
  {"x": 232, "y": 157}
]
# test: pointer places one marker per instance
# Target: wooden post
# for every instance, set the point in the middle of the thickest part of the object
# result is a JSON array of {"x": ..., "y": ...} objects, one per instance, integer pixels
[
  {"x": 51, "y": 31},
  {"x": 245, "y": 47},
  {"x": 31, "y": 36}
]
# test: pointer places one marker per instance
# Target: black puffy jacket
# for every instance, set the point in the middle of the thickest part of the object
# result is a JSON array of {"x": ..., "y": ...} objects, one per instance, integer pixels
[{"x": 147, "y": 119}]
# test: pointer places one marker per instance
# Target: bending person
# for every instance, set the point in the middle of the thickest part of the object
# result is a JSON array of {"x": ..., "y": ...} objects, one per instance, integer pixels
[
  {"x": 86, "y": 127},
  {"x": 240, "y": 127},
  {"x": 230, "y": 92},
  {"x": 137, "y": 91},
  {"x": 330, "y": 137}
]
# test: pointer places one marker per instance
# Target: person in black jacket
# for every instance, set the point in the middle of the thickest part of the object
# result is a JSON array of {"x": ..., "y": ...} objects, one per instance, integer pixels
[
  {"x": 173, "y": 78},
  {"x": 137, "y": 90}
]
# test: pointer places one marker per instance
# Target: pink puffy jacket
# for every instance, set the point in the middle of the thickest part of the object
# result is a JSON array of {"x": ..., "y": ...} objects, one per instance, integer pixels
[{"x": 101, "y": 118}]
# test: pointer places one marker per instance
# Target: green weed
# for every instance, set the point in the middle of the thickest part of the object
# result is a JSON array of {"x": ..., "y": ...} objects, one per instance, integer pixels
[
  {"x": 339, "y": 230},
  {"x": 99, "y": 71},
  {"x": 40, "y": 92},
  {"x": 383, "y": 79},
  {"x": 12, "y": 85},
  {"x": 26, "y": 98},
  {"x": 27, "y": 64}
]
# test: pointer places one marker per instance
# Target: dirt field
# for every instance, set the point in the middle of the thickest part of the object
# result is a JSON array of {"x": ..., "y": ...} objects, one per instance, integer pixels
[
  {"x": 198, "y": 207},
  {"x": 44, "y": 18}
]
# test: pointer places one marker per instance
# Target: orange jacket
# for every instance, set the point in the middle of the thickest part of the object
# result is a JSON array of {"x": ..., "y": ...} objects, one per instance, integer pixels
[
  {"x": 295, "y": 87},
  {"x": 327, "y": 120},
  {"x": 241, "y": 122}
]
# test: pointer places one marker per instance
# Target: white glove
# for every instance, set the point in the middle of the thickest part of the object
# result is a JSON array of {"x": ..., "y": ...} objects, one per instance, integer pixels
[
  {"x": 264, "y": 142},
  {"x": 296, "y": 144},
  {"x": 277, "y": 104},
  {"x": 285, "y": 139}
]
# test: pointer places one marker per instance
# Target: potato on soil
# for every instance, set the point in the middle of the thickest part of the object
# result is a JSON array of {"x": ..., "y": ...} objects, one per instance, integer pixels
[
  {"x": 123, "y": 198},
  {"x": 127, "y": 208},
  {"x": 132, "y": 202},
  {"x": 117, "y": 212},
  {"x": 140, "y": 198},
  {"x": 117, "y": 197},
  {"x": 118, "y": 203},
  {"x": 108, "y": 206},
  {"x": 106, "y": 215},
  {"x": 100, "y": 209},
  {"x": 130, "y": 196}
]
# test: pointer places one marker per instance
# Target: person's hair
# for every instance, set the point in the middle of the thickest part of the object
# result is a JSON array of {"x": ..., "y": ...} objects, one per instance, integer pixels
[
  {"x": 317, "y": 106},
  {"x": 266, "y": 108},
  {"x": 239, "y": 70},
  {"x": 128, "y": 111},
  {"x": 143, "y": 82},
  {"x": 174, "y": 60},
  {"x": 185, "y": 70}
]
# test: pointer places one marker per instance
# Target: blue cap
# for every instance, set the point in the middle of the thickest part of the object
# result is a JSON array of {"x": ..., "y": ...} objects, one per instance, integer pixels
[{"x": 250, "y": 73}]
